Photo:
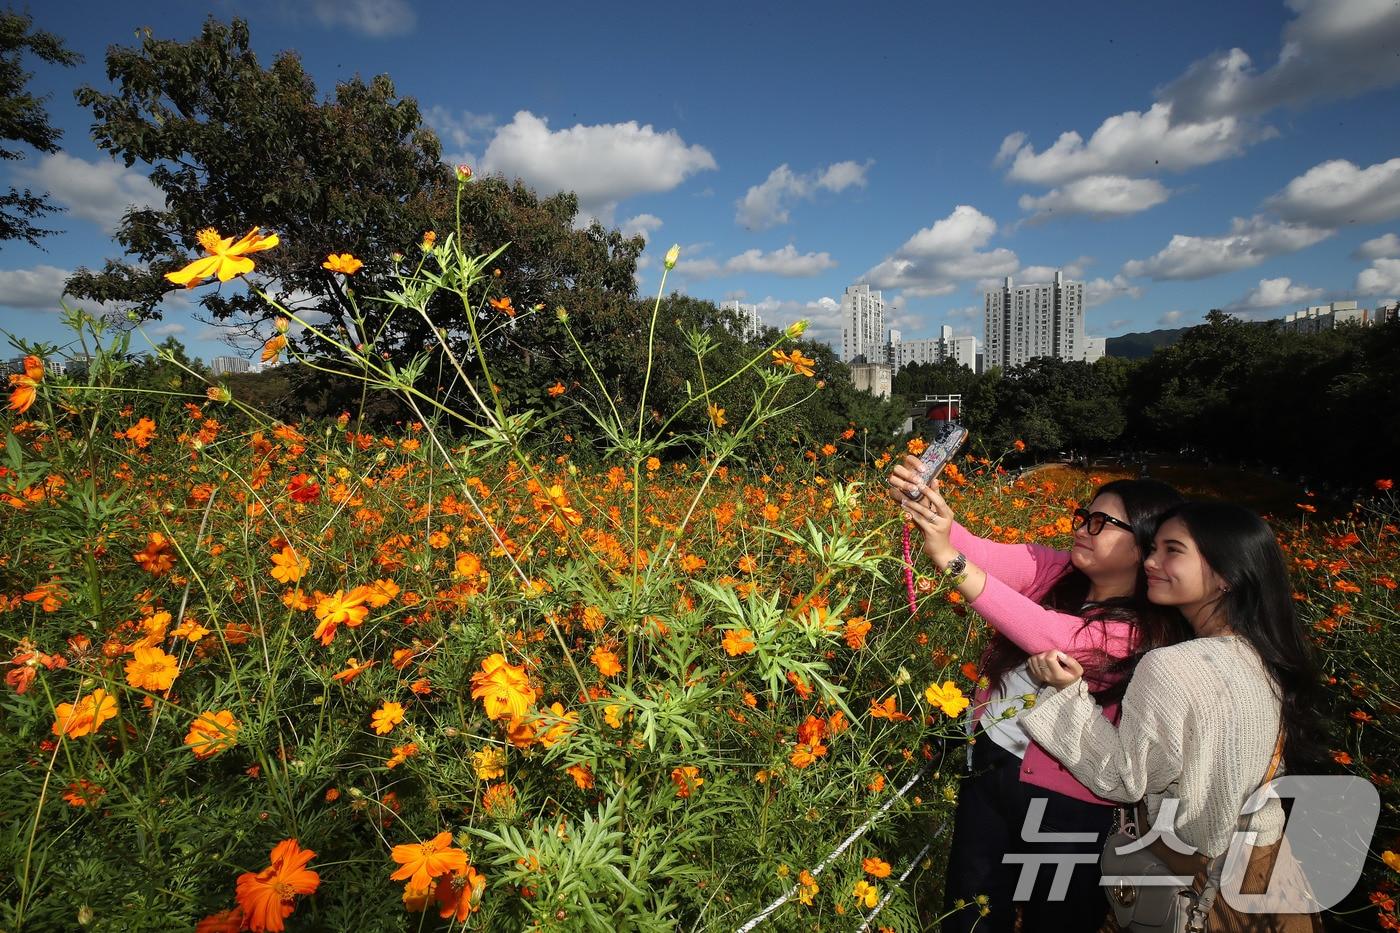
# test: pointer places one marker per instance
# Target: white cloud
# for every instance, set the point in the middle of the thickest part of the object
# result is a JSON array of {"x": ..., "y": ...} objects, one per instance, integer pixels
[
  {"x": 1130, "y": 143},
  {"x": 462, "y": 132},
  {"x": 786, "y": 262},
  {"x": 603, "y": 164},
  {"x": 36, "y": 289},
  {"x": 1334, "y": 48},
  {"x": 1338, "y": 192},
  {"x": 766, "y": 205},
  {"x": 823, "y": 315},
  {"x": 1382, "y": 247},
  {"x": 1031, "y": 275},
  {"x": 1100, "y": 196},
  {"x": 642, "y": 224},
  {"x": 1248, "y": 243},
  {"x": 1170, "y": 319},
  {"x": 1275, "y": 293},
  {"x": 935, "y": 259},
  {"x": 1383, "y": 278},
  {"x": 166, "y": 330},
  {"x": 99, "y": 191},
  {"x": 1101, "y": 291},
  {"x": 374, "y": 18}
]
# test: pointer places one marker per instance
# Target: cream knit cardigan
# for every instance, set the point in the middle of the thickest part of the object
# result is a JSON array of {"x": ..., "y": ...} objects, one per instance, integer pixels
[{"x": 1199, "y": 723}]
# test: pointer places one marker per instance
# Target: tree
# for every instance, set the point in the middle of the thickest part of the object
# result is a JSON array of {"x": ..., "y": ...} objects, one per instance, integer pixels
[
  {"x": 234, "y": 145},
  {"x": 23, "y": 119}
]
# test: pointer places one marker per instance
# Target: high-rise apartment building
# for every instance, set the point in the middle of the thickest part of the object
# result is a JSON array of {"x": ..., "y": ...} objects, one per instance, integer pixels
[
  {"x": 1027, "y": 321},
  {"x": 862, "y": 325},
  {"x": 222, "y": 365},
  {"x": 750, "y": 323},
  {"x": 933, "y": 350}
]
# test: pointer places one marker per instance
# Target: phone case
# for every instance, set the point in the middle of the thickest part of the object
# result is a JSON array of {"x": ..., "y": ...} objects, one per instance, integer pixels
[{"x": 936, "y": 455}]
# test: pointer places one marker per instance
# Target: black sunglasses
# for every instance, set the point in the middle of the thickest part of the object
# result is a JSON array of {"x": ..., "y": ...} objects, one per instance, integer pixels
[{"x": 1096, "y": 521}]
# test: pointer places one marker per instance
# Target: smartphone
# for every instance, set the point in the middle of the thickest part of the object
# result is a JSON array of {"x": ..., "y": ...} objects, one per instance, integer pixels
[{"x": 936, "y": 455}]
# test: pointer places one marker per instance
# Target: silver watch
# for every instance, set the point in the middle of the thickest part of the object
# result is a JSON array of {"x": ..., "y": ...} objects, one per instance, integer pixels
[{"x": 957, "y": 566}]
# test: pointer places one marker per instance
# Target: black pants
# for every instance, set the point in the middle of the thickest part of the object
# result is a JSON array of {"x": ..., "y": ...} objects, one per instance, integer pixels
[{"x": 992, "y": 807}]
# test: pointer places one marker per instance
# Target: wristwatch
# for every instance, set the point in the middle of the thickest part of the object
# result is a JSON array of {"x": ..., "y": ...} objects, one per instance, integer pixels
[{"x": 957, "y": 566}]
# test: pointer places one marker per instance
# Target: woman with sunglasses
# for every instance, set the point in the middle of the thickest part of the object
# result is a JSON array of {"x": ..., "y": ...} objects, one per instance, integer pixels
[
  {"x": 1206, "y": 720},
  {"x": 1090, "y": 603}
]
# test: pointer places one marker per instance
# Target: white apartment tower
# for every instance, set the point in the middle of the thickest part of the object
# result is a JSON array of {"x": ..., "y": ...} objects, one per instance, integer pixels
[
  {"x": 934, "y": 350},
  {"x": 1026, "y": 321},
  {"x": 750, "y": 322},
  {"x": 862, "y": 325}
]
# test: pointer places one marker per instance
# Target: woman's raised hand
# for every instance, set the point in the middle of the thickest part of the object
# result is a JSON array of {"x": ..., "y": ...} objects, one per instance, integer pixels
[
  {"x": 1054, "y": 668},
  {"x": 934, "y": 517}
]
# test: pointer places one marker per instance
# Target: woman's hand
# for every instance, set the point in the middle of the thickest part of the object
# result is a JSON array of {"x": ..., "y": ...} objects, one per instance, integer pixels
[
  {"x": 904, "y": 479},
  {"x": 932, "y": 514},
  {"x": 1054, "y": 669}
]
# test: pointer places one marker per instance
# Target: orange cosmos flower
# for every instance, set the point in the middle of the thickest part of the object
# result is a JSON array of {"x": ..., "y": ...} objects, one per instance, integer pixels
[
  {"x": 141, "y": 432},
  {"x": 340, "y": 608},
  {"x": 606, "y": 662},
  {"x": 268, "y": 897},
  {"x": 459, "y": 894},
  {"x": 227, "y": 921},
  {"x": 226, "y": 259},
  {"x": 288, "y": 566},
  {"x": 401, "y": 754},
  {"x": 387, "y": 717},
  {"x": 212, "y": 733},
  {"x": 582, "y": 776},
  {"x": 26, "y": 384},
  {"x": 856, "y": 630},
  {"x": 152, "y": 669},
  {"x": 1383, "y": 485},
  {"x": 555, "y": 505},
  {"x": 807, "y": 887},
  {"x": 503, "y": 688},
  {"x": 421, "y": 862},
  {"x": 499, "y": 801},
  {"x": 804, "y": 754},
  {"x": 556, "y": 390},
  {"x": 429, "y": 239},
  {"x": 887, "y": 709},
  {"x": 343, "y": 263},
  {"x": 157, "y": 557},
  {"x": 948, "y": 698},
  {"x": 687, "y": 780},
  {"x": 502, "y": 305},
  {"x": 273, "y": 348},
  {"x": 738, "y": 641},
  {"x": 876, "y": 868},
  {"x": 352, "y": 670}
]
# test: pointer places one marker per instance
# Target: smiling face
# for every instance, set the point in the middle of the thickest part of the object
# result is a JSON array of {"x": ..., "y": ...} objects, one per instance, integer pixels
[
  {"x": 1111, "y": 552},
  {"x": 1177, "y": 573}
]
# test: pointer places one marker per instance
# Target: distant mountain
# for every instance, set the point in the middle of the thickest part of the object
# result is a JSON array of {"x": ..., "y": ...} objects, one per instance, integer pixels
[{"x": 1140, "y": 346}]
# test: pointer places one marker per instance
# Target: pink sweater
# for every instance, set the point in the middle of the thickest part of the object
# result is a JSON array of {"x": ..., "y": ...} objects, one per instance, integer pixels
[{"x": 1018, "y": 577}]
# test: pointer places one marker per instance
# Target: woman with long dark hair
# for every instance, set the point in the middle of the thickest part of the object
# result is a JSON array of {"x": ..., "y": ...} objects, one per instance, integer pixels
[
  {"x": 1090, "y": 603},
  {"x": 1204, "y": 721}
]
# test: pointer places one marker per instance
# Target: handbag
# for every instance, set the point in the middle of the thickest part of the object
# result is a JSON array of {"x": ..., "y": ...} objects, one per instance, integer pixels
[{"x": 1168, "y": 905}]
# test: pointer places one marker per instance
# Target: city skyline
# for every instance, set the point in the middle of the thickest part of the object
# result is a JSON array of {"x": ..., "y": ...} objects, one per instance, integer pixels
[{"x": 1174, "y": 160}]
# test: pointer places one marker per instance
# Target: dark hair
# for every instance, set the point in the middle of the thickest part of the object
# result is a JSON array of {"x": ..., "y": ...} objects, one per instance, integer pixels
[
  {"x": 1144, "y": 501},
  {"x": 1258, "y": 605}
]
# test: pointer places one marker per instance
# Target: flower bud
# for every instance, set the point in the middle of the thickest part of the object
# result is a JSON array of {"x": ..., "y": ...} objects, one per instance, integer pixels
[
  {"x": 672, "y": 255},
  {"x": 281, "y": 324},
  {"x": 464, "y": 173},
  {"x": 561, "y": 314},
  {"x": 797, "y": 329}
]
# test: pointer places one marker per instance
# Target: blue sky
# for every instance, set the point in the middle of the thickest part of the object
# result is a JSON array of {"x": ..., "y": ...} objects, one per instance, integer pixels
[{"x": 1176, "y": 157}]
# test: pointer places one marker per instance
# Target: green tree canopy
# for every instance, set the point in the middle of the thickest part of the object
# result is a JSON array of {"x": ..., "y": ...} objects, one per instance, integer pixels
[{"x": 23, "y": 119}]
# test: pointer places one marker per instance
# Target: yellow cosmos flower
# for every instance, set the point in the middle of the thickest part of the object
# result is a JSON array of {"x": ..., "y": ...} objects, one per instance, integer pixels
[
  {"x": 212, "y": 733},
  {"x": 226, "y": 258},
  {"x": 503, "y": 688},
  {"x": 947, "y": 698},
  {"x": 489, "y": 763},
  {"x": 343, "y": 263},
  {"x": 152, "y": 669}
]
